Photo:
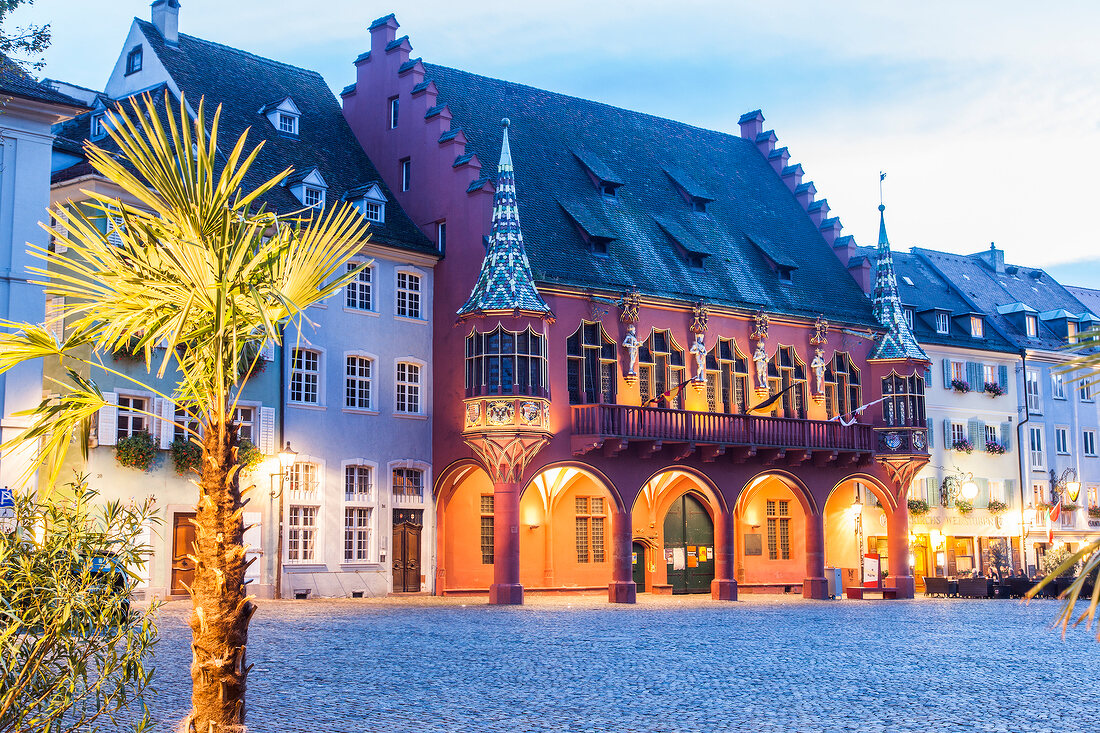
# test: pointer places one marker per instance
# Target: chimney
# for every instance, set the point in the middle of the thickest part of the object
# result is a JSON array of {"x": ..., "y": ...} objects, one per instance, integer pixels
[
  {"x": 752, "y": 124},
  {"x": 166, "y": 17},
  {"x": 993, "y": 258}
]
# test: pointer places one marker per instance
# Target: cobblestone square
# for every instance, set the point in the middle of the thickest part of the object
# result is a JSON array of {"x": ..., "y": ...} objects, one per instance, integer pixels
[{"x": 667, "y": 664}]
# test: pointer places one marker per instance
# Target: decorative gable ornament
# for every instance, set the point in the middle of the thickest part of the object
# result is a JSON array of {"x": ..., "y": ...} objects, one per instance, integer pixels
[
  {"x": 629, "y": 306},
  {"x": 700, "y": 315}
]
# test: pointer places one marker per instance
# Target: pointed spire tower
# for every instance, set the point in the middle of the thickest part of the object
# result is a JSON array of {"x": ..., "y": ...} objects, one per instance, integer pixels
[
  {"x": 506, "y": 284},
  {"x": 898, "y": 342},
  {"x": 507, "y": 405}
]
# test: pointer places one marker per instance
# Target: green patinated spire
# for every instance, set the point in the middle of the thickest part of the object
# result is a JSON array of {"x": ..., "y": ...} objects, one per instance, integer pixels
[
  {"x": 506, "y": 282},
  {"x": 898, "y": 342}
]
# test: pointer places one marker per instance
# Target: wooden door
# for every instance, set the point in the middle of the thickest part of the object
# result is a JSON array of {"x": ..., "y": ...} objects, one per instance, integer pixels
[
  {"x": 183, "y": 540},
  {"x": 638, "y": 551},
  {"x": 406, "y": 558},
  {"x": 689, "y": 533}
]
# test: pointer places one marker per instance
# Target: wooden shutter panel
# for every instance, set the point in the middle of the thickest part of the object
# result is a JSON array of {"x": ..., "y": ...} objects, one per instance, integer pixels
[
  {"x": 1010, "y": 491},
  {"x": 947, "y": 433},
  {"x": 1006, "y": 435},
  {"x": 253, "y": 538},
  {"x": 107, "y": 431},
  {"x": 933, "y": 490},
  {"x": 1002, "y": 376},
  {"x": 947, "y": 374},
  {"x": 974, "y": 376},
  {"x": 267, "y": 431},
  {"x": 167, "y": 428},
  {"x": 931, "y": 435},
  {"x": 983, "y": 492},
  {"x": 55, "y": 321},
  {"x": 976, "y": 431}
]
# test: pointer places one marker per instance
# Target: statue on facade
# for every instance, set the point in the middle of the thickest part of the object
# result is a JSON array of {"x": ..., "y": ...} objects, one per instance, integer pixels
[
  {"x": 631, "y": 344},
  {"x": 818, "y": 365},
  {"x": 699, "y": 350},
  {"x": 760, "y": 358}
]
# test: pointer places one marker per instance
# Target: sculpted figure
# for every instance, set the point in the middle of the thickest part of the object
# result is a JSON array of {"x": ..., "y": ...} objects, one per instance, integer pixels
[
  {"x": 631, "y": 344},
  {"x": 760, "y": 358},
  {"x": 699, "y": 349},
  {"x": 818, "y": 365}
]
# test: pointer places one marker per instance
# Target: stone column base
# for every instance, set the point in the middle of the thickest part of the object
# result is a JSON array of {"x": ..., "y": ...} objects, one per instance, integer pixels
[
  {"x": 622, "y": 592},
  {"x": 723, "y": 590},
  {"x": 501, "y": 594},
  {"x": 905, "y": 585},
  {"x": 816, "y": 588}
]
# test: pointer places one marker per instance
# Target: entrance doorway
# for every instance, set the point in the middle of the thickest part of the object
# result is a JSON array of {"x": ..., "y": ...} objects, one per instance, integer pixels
[
  {"x": 407, "y": 526},
  {"x": 689, "y": 545},
  {"x": 638, "y": 552},
  {"x": 183, "y": 541}
]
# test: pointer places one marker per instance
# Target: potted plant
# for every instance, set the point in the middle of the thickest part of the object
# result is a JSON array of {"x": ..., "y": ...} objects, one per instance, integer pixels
[
  {"x": 964, "y": 506},
  {"x": 1069, "y": 506},
  {"x": 918, "y": 507},
  {"x": 963, "y": 446},
  {"x": 1094, "y": 512},
  {"x": 136, "y": 451},
  {"x": 992, "y": 446},
  {"x": 995, "y": 506},
  {"x": 994, "y": 390},
  {"x": 960, "y": 385}
]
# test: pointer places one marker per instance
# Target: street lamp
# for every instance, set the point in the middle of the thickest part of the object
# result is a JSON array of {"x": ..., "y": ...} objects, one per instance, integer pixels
[
  {"x": 959, "y": 485},
  {"x": 286, "y": 464}
]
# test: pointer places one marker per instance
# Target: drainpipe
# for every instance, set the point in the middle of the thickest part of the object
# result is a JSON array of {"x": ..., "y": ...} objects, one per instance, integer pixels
[
  {"x": 280, "y": 415},
  {"x": 1020, "y": 463}
]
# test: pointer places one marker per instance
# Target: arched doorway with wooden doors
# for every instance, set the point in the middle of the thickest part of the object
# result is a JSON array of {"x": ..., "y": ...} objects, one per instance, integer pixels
[
  {"x": 856, "y": 520},
  {"x": 677, "y": 516},
  {"x": 568, "y": 514},
  {"x": 774, "y": 520}
]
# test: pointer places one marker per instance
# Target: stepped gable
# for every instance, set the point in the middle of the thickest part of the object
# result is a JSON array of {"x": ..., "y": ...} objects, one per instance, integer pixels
[
  {"x": 750, "y": 211},
  {"x": 898, "y": 342},
  {"x": 244, "y": 84},
  {"x": 989, "y": 288},
  {"x": 505, "y": 282}
]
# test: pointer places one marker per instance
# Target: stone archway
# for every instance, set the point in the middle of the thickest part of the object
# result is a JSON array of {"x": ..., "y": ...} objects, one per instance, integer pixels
[{"x": 777, "y": 528}]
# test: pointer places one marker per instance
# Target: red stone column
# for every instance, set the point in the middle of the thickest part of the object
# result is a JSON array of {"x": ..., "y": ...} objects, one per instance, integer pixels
[
  {"x": 815, "y": 585},
  {"x": 897, "y": 542},
  {"x": 724, "y": 585},
  {"x": 506, "y": 588},
  {"x": 622, "y": 588}
]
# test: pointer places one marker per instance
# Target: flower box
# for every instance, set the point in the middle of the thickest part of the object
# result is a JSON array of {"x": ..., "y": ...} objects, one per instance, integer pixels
[
  {"x": 960, "y": 385},
  {"x": 994, "y": 390},
  {"x": 963, "y": 446},
  {"x": 992, "y": 446},
  {"x": 964, "y": 506},
  {"x": 996, "y": 507},
  {"x": 918, "y": 507}
]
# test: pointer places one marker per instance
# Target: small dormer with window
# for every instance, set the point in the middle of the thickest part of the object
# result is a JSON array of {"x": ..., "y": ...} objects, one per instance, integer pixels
[
  {"x": 309, "y": 187},
  {"x": 370, "y": 201},
  {"x": 284, "y": 116},
  {"x": 686, "y": 245},
  {"x": 1023, "y": 317},
  {"x": 775, "y": 258},
  {"x": 977, "y": 326},
  {"x": 606, "y": 181},
  {"x": 1063, "y": 323},
  {"x": 691, "y": 191},
  {"x": 592, "y": 228}
]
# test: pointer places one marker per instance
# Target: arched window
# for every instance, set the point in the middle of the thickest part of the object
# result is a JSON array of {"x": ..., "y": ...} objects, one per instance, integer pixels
[
  {"x": 843, "y": 392},
  {"x": 660, "y": 368},
  {"x": 904, "y": 403},
  {"x": 591, "y": 366},
  {"x": 505, "y": 362},
  {"x": 785, "y": 370},
  {"x": 727, "y": 377}
]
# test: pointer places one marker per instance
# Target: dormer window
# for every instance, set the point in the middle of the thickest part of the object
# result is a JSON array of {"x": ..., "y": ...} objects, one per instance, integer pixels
[
  {"x": 314, "y": 197},
  {"x": 600, "y": 245},
  {"x": 909, "y": 318},
  {"x": 370, "y": 201},
  {"x": 608, "y": 190},
  {"x": 694, "y": 194},
  {"x": 699, "y": 206},
  {"x": 1031, "y": 324},
  {"x": 605, "y": 180},
  {"x": 785, "y": 275},
  {"x": 371, "y": 210},
  {"x": 695, "y": 260},
  {"x": 309, "y": 188},
  {"x": 133, "y": 60},
  {"x": 976, "y": 327},
  {"x": 99, "y": 126},
  {"x": 283, "y": 115},
  {"x": 943, "y": 323},
  {"x": 1071, "y": 332}
]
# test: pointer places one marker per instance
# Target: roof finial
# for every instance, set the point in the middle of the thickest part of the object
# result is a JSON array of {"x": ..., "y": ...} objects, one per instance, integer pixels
[
  {"x": 505, "y": 151},
  {"x": 881, "y": 178},
  {"x": 898, "y": 342}
]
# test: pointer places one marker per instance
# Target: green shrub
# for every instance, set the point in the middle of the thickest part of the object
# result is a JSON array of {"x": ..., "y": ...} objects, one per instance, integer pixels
[
  {"x": 136, "y": 451},
  {"x": 186, "y": 455},
  {"x": 918, "y": 507}
]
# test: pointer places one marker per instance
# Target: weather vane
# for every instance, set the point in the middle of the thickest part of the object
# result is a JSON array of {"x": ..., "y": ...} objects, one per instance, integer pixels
[{"x": 881, "y": 178}]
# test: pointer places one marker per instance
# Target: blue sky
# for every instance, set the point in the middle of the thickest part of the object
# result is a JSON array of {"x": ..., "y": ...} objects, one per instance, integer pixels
[{"x": 985, "y": 115}]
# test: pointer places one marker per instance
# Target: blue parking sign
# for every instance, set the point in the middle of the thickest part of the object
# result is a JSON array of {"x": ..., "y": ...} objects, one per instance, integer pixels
[{"x": 7, "y": 503}]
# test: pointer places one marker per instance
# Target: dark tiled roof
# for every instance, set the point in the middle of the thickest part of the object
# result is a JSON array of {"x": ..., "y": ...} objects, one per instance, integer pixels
[
  {"x": 16, "y": 82},
  {"x": 749, "y": 200},
  {"x": 244, "y": 83},
  {"x": 986, "y": 290},
  {"x": 929, "y": 291}
]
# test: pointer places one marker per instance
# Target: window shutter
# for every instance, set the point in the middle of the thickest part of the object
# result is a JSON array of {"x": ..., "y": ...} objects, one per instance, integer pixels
[
  {"x": 931, "y": 435},
  {"x": 167, "y": 429},
  {"x": 253, "y": 538},
  {"x": 267, "y": 353},
  {"x": 947, "y": 433},
  {"x": 932, "y": 490},
  {"x": 947, "y": 374},
  {"x": 1010, "y": 491},
  {"x": 1006, "y": 435},
  {"x": 107, "y": 432},
  {"x": 1002, "y": 376},
  {"x": 983, "y": 492},
  {"x": 55, "y": 321},
  {"x": 976, "y": 430},
  {"x": 114, "y": 226},
  {"x": 974, "y": 376},
  {"x": 267, "y": 430}
]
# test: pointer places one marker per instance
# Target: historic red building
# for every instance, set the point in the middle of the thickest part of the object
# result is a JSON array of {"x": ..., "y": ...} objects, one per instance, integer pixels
[{"x": 653, "y": 386}]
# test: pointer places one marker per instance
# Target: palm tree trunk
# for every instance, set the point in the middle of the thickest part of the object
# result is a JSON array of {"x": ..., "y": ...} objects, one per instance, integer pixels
[{"x": 220, "y": 607}]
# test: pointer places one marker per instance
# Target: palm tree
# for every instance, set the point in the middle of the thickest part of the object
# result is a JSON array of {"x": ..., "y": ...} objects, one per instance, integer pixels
[{"x": 199, "y": 276}]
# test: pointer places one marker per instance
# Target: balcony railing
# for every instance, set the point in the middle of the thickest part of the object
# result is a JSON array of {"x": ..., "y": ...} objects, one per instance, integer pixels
[{"x": 660, "y": 424}]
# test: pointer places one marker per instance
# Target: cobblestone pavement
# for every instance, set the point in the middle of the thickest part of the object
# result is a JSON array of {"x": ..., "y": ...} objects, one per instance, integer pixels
[{"x": 666, "y": 664}]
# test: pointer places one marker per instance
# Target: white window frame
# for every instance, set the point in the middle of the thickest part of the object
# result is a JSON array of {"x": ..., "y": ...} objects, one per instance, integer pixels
[
  {"x": 1072, "y": 330},
  {"x": 977, "y": 329},
  {"x": 395, "y": 111},
  {"x": 1088, "y": 443},
  {"x": 367, "y": 546},
  {"x": 406, "y": 173},
  {"x": 1084, "y": 390},
  {"x": 958, "y": 433},
  {"x": 285, "y": 117},
  {"x": 295, "y": 554},
  {"x": 252, "y": 425},
  {"x": 371, "y": 380},
  {"x": 958, "y": 372},
  {"x": 137, "y": 52},
  {"x": 313, "y": 192},
  {"x": 992, "y": 435},
  {"x": 372, "y": 210},
  {"x": 408, "y": 294},
  {"x": 422, "y": 367},
  {"x": 130, "y": 415},
  {"x": 317, "y": 374},
  {"x": 1037, "y": 459},
  {"x": 1057, "y": 385},
  {"x": 98, "y": 126},
  {"x": 371, "y": 497},
  {"x": 989, "y": 374},
  {"x": 1031, "y": 326},
  {"x": 1061, "y": 440},
  {"x": 997, "y": 490},
  {"x": 415, "y": 465},
  {"x": 1033, "y": 391},
  {"x": 353, "y": 290},
  {"x": 943, "y": 323}
]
